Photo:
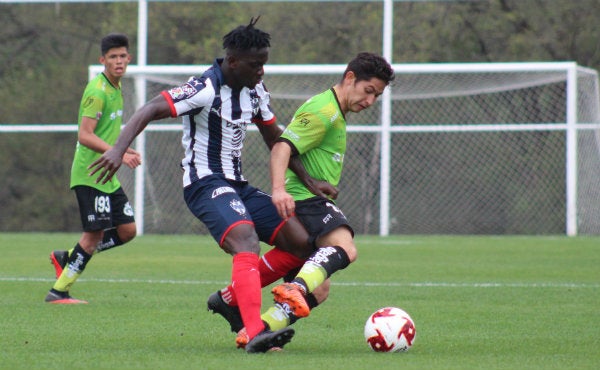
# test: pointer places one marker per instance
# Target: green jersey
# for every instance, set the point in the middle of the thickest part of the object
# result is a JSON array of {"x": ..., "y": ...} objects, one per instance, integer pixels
[
  {"x": 104, "y": 103},
  {"x": 318, "y": 132}
]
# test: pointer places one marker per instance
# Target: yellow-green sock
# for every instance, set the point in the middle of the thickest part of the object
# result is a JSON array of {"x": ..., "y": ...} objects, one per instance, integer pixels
[
  {"x": 312, "y": 275},
  {"x": 76, "y": 263},
  {"x": 320, "y": 265},
  {"x": 276, "y": 318}
]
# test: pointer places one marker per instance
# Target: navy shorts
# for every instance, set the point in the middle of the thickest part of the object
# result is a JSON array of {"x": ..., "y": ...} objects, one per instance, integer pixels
[
  {"x": 100, "y": 210},
  {"x": 320, "y": 216},
  {"x": 222, "y": 204}
]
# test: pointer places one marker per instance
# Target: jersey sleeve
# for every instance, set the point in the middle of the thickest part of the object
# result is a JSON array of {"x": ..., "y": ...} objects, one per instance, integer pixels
[
  {"x": 93, "y": 105},
  {"x": 265, "y": 114},
  {"x": 306, "y": 131},
  {"x": 194, "y": 94}
]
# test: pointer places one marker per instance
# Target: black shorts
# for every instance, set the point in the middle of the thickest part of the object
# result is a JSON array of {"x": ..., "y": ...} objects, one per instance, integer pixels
[
  {"x": 100, "y": 211},
  {"x": 320, "y": 216}
]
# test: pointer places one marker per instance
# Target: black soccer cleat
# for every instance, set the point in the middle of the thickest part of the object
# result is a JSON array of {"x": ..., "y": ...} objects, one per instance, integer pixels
[
  {"x": 232, "y": 314},
  {"x": 267, "y": 340}
]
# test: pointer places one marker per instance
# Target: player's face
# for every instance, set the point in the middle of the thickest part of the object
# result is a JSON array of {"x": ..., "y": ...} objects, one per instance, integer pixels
[
  {"x": 115, "y": 62},
  {"x": 248, "y": 67},
  {"x": 364, "y": 93}
]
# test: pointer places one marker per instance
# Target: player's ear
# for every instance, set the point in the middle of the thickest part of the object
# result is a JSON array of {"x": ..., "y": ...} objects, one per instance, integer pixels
[
  {"x": 101, "y": 59},
  {"x": 232, "y": 60},
  {"x": 350, "y": 77}
]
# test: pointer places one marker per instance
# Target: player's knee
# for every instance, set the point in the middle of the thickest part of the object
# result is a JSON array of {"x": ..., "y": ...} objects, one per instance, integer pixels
[
  {"x": 242, "y": 238},
  {"x": 351, "y": 252},
  {"x": 127, "y": 232}
]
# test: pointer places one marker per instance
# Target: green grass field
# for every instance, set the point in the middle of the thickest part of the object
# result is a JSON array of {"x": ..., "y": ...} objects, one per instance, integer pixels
[{"x": 477, "y": 302}]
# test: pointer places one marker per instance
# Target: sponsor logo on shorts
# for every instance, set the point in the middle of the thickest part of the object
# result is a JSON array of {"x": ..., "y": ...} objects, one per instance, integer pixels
[
  {"x": 128, "y": 210},
  {"x": 222, "y": 190},
  {"x": 334, "y": 208}
]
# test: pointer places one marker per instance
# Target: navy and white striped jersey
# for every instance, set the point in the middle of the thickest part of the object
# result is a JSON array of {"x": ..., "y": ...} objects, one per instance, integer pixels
[{"x": 215, "y": 119}]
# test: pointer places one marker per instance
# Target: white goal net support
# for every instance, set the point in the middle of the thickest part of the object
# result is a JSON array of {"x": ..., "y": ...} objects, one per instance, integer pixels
[{"x": 508, "y": 148}]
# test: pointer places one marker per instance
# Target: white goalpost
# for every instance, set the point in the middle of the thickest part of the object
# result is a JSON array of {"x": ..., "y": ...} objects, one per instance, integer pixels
[{"x": 480, "y": 148}]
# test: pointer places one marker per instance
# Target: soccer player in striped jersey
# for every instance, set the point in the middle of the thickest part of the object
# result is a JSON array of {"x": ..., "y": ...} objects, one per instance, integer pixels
[{"x": 216, "y": 109}]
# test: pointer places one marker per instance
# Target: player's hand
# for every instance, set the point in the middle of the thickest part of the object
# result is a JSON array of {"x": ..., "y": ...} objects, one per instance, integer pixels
[
  {"x": 284, "y": 203},
  {"x": 322, "y": 188},
  {"x": 106, "y": 166},
  {"x": 132, "y": 158}
]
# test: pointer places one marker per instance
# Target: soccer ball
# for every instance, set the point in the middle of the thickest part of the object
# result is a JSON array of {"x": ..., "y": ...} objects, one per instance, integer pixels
[{"x": 390, "y": 329}]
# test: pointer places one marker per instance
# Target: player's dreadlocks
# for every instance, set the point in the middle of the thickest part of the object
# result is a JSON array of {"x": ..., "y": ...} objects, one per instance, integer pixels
[{"x": 246, "y": 37}]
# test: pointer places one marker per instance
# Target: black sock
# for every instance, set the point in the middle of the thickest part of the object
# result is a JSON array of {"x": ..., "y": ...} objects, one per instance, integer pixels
[
  {"x": 110, "y": 240},
  {"x": 78, "y": 259}
]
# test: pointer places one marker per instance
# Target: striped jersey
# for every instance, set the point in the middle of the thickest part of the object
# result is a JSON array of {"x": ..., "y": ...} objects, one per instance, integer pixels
[{"x": 215, "y": 119}]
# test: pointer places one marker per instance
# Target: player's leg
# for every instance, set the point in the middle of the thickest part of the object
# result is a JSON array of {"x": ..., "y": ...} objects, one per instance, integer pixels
[
  {"x": 221, "y": 207},
  {"x": 124, "y": 231},
  {"x": 280, "y": 315},
  {"x": 336, "y": 250},
  {"x": 94, "y": 219},
  {"x": 274, "y": 264}
]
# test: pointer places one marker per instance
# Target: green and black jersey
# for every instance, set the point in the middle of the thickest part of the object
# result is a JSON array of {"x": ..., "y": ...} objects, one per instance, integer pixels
[
  {"x": 104, "y": 103},
  {"x": 318, "y": 134}
]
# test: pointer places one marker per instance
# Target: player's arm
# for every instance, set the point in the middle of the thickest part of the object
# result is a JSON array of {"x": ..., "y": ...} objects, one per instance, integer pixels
[
  {"x": 271, "y": 134},
  {"x": 108, "y": 164},
  {"x": 87, "y": 137},
  {"x": 280, "y": 157}
]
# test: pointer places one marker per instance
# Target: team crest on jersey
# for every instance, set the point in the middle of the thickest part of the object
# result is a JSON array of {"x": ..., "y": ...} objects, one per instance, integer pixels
[
  {"x": 238, "y": 207},
  {"x": 222, "y": 190},
  {"x": 88, "y": 102}
]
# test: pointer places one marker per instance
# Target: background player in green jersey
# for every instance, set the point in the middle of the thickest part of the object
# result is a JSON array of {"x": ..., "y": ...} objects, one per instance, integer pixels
[
  {"x": 317, "y": 135},
  {"x": 106, "y": 215}
]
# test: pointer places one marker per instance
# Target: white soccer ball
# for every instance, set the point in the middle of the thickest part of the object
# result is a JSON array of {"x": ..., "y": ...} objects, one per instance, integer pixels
[{"x": 390, "y": 329}]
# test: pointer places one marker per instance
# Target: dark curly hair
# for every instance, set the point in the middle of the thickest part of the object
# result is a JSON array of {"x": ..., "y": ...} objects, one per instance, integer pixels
[{"x": 246, "y": 37}]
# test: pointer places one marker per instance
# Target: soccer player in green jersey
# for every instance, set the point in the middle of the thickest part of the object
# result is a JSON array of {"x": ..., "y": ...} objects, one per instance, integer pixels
[
  {"x": 317, "y": 135},
  {"x": 106, "y": 215}
]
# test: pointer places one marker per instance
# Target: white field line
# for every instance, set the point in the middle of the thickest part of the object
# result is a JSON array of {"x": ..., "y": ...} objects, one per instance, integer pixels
[{"x": 347, "y": 284}]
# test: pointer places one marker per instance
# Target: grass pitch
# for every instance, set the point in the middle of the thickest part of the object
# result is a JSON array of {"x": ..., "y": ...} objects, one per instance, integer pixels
[{"x": 477, "y": 302}]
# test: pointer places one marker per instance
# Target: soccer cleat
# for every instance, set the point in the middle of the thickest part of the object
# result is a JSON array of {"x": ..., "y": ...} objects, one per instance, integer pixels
[
  {"x": 62, "y": 298},
  {"x": 230, "y": 313},
  {"x": 59, "y": 260},
  {"x": 242, "y": 338},
  {"x": 265, "y": 341},
  {"x": 291, "y": 294}
]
